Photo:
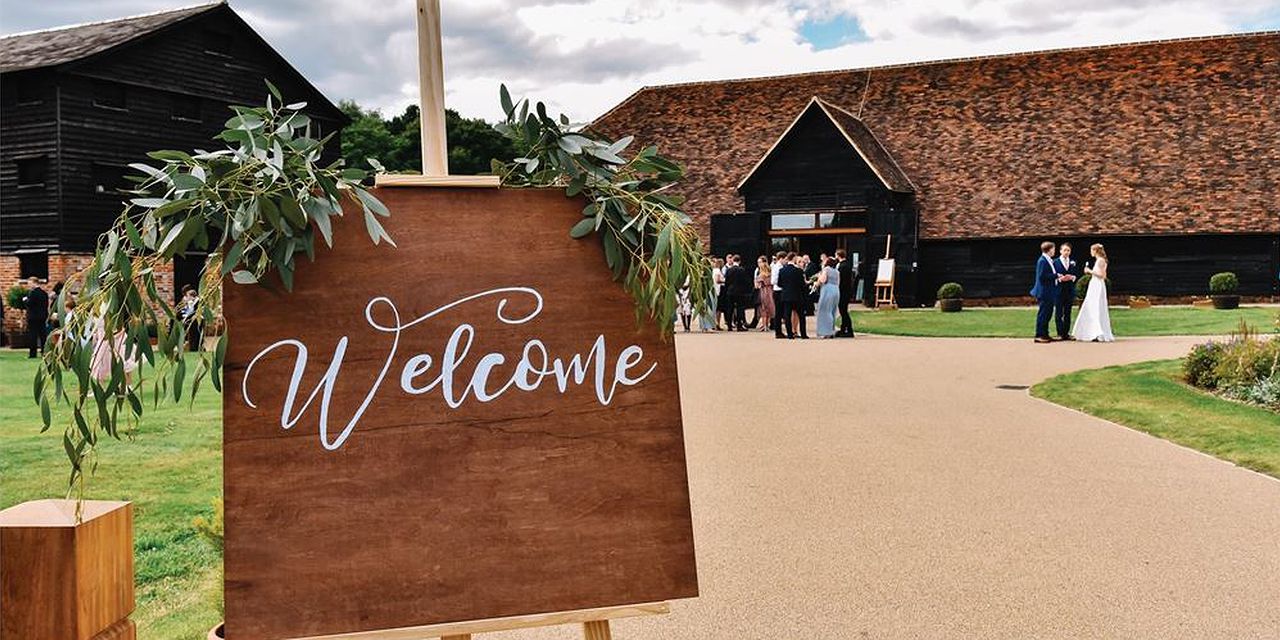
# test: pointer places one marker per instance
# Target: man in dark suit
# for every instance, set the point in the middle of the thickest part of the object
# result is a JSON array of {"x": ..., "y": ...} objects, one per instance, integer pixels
[
  {"x": 1045, "y": 291},
  {"x": 738, "y": 284},
  {"x": 37, "y": 306},
  {"x": 848, "y": 273},
  {"x": 1065, "y": 268},
  {"x": 795, "y": 293}
]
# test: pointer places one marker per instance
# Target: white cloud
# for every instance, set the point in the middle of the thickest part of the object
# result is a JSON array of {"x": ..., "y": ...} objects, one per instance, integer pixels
[{"x": 584, "y": 56}]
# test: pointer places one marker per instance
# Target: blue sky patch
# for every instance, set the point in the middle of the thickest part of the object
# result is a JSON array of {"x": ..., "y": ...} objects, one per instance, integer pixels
[{"x": 830, "y": 33}]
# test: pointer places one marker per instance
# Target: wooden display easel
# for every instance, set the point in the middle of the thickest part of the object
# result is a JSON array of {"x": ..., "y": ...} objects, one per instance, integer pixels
[
  {"x": 435, "y": 169},
  {"x": 886, "y": 273}
]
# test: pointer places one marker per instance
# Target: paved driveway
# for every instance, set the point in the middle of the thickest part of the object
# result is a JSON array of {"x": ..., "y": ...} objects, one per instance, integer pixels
[{"x": 886, "y": 487}]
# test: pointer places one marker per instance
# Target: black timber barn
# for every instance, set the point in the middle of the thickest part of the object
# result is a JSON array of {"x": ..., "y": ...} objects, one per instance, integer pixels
[
  {"x": 78, "y": 104},
  {"x": 1163, "y": 151}
]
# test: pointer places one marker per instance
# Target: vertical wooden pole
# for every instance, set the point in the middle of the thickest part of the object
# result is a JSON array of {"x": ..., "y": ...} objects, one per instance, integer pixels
[
  {"x": 596, "y": 630},
  {"x": 435, "y": 154},
  {"x": 465, "y": 636}
]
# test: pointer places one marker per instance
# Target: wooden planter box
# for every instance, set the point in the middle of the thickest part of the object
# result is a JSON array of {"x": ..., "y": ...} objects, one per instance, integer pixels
[
  {"x": 1139, "y": 303},
  {"x": 60, "y": 580}
]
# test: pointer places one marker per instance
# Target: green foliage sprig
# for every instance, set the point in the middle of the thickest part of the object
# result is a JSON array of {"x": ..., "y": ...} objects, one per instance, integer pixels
[
  {"x": 649, "y": 241},
  {"x": 253, "y": 207}
]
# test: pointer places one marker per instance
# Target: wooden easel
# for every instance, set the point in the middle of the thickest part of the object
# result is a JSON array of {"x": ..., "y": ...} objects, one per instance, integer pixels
[
  {"x": 885, "y": 278},
  {"x": 435, "y": 173}
]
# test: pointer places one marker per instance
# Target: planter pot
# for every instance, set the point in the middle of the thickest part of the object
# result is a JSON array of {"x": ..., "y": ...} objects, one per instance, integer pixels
[
  {"x": 72, "y": 579},
  {"x": 951, "y": 305},
  {"x": 18, "y": 339},
  {"x": 217, "y": 633},
  {"x": 1226, "y": 302},
  {"x": 1139, "y": 304}
]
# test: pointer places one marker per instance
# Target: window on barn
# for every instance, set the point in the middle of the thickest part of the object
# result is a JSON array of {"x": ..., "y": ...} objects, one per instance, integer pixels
[
  {"x": 21, "y": 92},
  {"x": 108, "y": 179},
  {"x": 32, "y": 172},
  {"x": 216, "y": 42},
  {"x": 109, "y": 95},
  {"x": 185, "y": 108},
  {"x": 33, "y": 264}
]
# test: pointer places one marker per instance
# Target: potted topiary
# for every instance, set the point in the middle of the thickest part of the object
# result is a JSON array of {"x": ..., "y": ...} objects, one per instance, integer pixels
[
  {"x": 13, "y": 304},
  {"x": 1222, "y": 289},
  {"x": 951, "y": 297}
]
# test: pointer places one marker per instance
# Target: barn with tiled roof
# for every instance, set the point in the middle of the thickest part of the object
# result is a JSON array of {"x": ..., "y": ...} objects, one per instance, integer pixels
[{"x": 1167, "y": 152}]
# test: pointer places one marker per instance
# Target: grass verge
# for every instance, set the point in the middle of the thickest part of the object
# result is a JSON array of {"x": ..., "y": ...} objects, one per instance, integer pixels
[
  {"x": 172, "y": 470},
  {"x": 1150, "y": 397},
  {"x": 1020, "y": 322}
]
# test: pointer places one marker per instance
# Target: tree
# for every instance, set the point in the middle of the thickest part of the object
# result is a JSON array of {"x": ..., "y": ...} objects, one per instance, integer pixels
[{"x": 395, "y": 143}]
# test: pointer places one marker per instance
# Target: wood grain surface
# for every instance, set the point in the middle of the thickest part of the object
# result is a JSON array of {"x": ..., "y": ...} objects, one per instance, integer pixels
[
  {"x": 532, "y": 501},
  {"x": 60, "y": 580}
]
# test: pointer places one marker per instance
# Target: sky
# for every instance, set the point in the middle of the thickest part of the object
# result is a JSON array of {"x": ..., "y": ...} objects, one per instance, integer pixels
[{"x": 584, "y": 56}]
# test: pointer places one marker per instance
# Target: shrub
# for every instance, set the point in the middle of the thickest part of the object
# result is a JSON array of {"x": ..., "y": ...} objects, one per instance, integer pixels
[
  {"x": 1200, "y": 364},
  {"x": 1224, "y": 284},
  {"x": 13, "y": 299},
  {"x": 1246, "y": 360},
  {"x": 1265, "y": 392},
  {"x": 950, "y": 290},
  {"x": 1082, "y": 286}
]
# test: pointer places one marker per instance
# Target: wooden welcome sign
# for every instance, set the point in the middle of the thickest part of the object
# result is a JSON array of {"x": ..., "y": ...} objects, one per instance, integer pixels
[{"x": 468, "y": 426}]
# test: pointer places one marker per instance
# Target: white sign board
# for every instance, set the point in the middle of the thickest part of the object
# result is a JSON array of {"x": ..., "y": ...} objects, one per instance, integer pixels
[{"x": 884, "y": 273}]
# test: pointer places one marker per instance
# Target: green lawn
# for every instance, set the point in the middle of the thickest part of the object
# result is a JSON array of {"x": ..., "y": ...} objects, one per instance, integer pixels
[
  {"x": 1149, "y": 397},
  {"x": 1020, "y": 322},
  {"x": 171, "y": 471}
]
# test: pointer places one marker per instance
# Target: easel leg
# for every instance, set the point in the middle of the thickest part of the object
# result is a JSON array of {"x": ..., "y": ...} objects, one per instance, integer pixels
[
  {"x": 596, "y": 630},
  {"x": 466, "y": 636}
]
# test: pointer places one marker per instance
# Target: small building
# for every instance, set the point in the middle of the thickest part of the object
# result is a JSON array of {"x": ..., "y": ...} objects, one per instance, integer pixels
[
  {"x": 79, "y": 103},
  {"x": 1163, "y": 151}
]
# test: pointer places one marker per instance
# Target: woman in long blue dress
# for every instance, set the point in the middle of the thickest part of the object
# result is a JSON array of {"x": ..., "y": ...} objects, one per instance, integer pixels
[{"x": 828, "y": 298}]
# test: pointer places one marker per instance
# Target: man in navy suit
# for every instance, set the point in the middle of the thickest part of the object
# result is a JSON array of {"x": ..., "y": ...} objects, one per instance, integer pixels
[
  {"x": 1065, "y": 267},
  {"x": 1045, "y": 291}
]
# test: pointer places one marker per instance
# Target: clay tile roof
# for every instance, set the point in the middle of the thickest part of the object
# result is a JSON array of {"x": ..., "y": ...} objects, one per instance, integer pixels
[
  {"x": 51, "y": 47},
  {"x": 1165, "y": 137}
]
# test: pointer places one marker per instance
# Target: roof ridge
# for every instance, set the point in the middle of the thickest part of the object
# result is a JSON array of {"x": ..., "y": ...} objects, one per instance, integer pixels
[
  {"x": 94, "y": 23},
  {"x": 940, "y": 61}
]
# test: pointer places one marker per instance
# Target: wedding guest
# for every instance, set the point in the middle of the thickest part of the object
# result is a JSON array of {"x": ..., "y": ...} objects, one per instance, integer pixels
[
  {"x": 684, "y": 307},
  {"x": 809, "y": 267},
  {"x": 739, "y": 285},
  {"x": 795, "y": 294},
  {"x": 779, "y": 259},
  {"x": 828, "y": 297},
  {"x": 717, "y": 285},
  {"x": 1045, "y": 291},
  {"x": 764, "y": 287},
  {"x": 187, "y": 312},
  {"x": 847, "y": 272},
  {"x": 106, "y": 351},
  {"x": 1065, "y": 267},
  {"x": 36, "y": 303}
]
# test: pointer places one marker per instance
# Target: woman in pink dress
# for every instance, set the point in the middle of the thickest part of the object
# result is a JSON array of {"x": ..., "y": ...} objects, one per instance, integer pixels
[
  {"x": 764, "y": 286},
  {"x": 104, "y": 349}
]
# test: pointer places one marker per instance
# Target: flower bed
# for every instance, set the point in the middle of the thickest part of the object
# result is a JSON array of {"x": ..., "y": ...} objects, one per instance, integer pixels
[{"x": 1244, "y": 368}]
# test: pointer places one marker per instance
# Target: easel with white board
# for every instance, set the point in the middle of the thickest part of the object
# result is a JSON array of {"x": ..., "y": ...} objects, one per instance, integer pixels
[{"x": 885, "y": 272}]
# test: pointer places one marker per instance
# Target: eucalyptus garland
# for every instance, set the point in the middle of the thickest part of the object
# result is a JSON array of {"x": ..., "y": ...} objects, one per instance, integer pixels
[
  {"x": 258, "y": 203},
  {"x": 253, "y": 207},
  {"x": 649, "y": 241}
]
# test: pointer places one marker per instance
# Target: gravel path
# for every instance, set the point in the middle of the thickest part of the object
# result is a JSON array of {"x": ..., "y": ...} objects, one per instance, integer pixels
[{"x": 887, "y": 487}]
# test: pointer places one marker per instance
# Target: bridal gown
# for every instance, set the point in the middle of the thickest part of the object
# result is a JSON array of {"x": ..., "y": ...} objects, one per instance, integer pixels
[{"x": 1094, "y": 321}]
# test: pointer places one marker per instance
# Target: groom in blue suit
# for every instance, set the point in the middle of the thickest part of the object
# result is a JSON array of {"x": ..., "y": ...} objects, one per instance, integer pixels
[{"x": 1045, "y": 291}]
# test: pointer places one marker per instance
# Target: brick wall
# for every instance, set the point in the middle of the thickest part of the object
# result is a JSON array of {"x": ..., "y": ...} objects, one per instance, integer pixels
[{"x": 61, "y": 267}]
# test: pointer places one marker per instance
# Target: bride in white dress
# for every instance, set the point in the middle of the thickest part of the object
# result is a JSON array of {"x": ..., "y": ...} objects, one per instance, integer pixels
[{"x": 1094, "y": 321}]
